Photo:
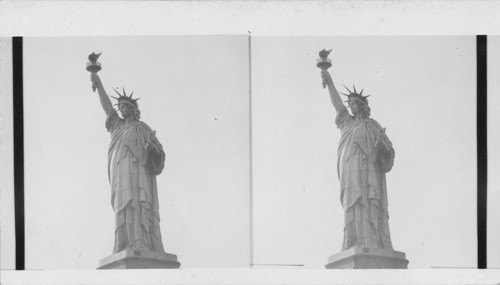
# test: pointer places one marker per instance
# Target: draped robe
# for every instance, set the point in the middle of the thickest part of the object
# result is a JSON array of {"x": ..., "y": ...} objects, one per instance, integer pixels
[
  {"x": 363, "y": 192},
  {"x": 132, "y": 174}
]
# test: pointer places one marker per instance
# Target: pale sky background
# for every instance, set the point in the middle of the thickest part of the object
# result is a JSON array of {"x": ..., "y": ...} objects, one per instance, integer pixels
[
  {"x": 7, "y": 238},
  {"x": 194, "y": 93},
  {"x": 423, "y": 91},
  {"x": 493, "y": 152}
]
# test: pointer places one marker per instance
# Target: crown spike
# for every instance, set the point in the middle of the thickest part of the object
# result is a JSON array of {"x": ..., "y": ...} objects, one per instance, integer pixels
[
  {"x": 361, "y": 93},
  {"x": 117, "y": 93},
  {"x": 354, "y": 87},
  {"x": 344, "y": 94},
  {"x": 124, "y": 97},
  {"x": 347, "y": 89}
]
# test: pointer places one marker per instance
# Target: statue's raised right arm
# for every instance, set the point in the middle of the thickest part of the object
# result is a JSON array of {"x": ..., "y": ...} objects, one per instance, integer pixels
[
  {"x": 103, "y": 96},
  {"x": 334, "y": 95}
]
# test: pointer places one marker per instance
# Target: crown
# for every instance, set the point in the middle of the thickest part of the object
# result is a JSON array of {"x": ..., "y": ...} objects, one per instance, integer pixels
[
  {"x": 355, "y": 94},
  {"x": 124, "y": 97}
]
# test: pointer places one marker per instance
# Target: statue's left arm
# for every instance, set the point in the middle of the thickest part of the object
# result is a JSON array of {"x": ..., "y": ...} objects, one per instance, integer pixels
[
  {"x": 156, "y": 155},
  {"x": 385, "y": 151}
]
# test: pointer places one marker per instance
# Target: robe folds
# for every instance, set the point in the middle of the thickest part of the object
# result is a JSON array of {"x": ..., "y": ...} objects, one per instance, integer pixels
[
  {"x": 132, "y": 171},
  {"x": 361, "y": 170}
]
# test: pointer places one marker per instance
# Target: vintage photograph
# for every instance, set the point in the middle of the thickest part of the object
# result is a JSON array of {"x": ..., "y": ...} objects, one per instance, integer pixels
[
  {"x": 141, "y": 148},
  {"x": 136, "y": 152},
  {"x": 250, "y": 142},
  {"x": 364, "y": 152},
  {"x": 261, "y": 156}
]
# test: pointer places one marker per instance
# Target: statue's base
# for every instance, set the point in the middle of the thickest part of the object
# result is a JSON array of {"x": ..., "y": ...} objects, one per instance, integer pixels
[
  {"x": 139, "y": 259},
  {"x": 368, "y": 258}
]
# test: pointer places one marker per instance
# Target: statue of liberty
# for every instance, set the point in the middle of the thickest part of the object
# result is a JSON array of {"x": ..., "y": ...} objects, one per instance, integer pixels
[
  {"x": 365, "y": 154},
  {"x": 135, "y": 158}
]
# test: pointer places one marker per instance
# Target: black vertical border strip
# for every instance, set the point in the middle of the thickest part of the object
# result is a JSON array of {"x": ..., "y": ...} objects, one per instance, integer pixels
[
  {"x": 17, "y": 72},
  {"x": 482, "y": 157}
]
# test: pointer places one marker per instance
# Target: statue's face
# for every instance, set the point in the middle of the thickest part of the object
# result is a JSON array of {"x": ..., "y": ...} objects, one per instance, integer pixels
[
  {"x": 355, "y": 105},
  {"x": 125, "y": 109}
]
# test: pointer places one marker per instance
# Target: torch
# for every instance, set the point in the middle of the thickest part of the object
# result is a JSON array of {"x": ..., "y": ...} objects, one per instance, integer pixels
[
  {"x": 93, "y": 66},
  {"x": 324, "y": 62}
]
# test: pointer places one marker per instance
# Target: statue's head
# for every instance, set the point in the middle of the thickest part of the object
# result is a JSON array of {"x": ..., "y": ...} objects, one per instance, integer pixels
[
  {"x": 128, "y": 109},
  {"x": 357, "y": 102},
  {"x": 127, "y": 105}
]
